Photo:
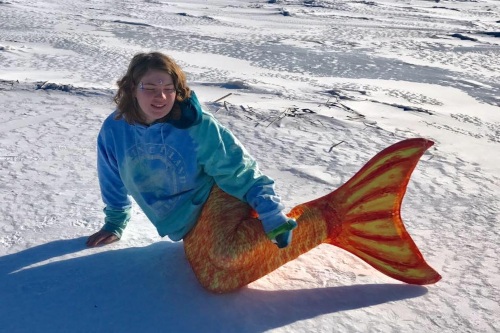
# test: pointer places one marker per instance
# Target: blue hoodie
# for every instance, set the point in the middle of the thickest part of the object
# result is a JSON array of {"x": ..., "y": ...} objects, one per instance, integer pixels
[{"x": 169, "y": 169}]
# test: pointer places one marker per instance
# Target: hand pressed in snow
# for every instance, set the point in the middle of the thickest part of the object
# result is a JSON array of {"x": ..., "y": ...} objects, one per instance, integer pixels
[{"x": 101, "y": 237}]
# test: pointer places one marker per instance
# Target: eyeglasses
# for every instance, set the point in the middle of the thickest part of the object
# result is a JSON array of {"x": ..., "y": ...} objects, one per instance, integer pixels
[{"x": 153, "y": 89}]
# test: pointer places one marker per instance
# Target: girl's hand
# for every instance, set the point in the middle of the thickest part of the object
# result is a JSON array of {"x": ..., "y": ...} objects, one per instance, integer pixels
[
  {"x": 101, "y": 238},
  {"x": 282, "y": 235}
]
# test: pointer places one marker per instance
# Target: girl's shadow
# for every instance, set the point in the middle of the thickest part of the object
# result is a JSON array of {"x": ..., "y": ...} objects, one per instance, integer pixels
[{"x": 152, "y": 289}]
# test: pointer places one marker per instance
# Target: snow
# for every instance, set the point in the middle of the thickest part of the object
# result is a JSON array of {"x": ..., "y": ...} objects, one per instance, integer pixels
[{"x": 372, "y": 73}]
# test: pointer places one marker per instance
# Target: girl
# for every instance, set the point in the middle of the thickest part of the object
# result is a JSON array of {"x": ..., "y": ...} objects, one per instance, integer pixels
[{"x": 196, "y": 182}]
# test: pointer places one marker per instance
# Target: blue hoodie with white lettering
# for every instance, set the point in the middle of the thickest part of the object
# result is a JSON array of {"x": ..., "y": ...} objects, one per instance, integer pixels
[{"x": 170, "y": 167}]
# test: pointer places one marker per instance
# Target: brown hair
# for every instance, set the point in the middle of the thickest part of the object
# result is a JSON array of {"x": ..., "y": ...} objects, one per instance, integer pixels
[{"x": 141, "y": 63}]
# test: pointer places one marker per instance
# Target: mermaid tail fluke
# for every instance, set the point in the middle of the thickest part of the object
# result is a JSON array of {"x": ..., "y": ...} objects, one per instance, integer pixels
[
  {"x": 228, "y": 247},
  {"x": 363, "y": 215}
]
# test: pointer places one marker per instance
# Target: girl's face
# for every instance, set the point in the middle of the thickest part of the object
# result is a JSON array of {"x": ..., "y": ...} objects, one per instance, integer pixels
[{"x": 155, "y": 95}]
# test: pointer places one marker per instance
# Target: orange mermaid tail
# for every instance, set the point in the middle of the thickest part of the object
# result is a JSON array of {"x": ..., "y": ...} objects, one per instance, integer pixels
[{"x": 228, "y": 248}]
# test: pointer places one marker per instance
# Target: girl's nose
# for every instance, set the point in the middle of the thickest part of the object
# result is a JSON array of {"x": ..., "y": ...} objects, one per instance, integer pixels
[{"x": 160, "y": 93}]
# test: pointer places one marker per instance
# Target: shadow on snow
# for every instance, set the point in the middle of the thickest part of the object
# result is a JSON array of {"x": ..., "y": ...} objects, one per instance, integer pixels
[{"x": 152, "y": 289}]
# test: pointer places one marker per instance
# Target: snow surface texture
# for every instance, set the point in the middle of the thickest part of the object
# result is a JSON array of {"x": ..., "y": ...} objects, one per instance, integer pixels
[{"x": 318, "y": 87}]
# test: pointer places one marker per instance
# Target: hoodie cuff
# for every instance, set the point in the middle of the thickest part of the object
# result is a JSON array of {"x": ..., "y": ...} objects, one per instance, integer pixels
[
  {"x": 274, "y": 221},
  {"x": 116, "y": 220}
]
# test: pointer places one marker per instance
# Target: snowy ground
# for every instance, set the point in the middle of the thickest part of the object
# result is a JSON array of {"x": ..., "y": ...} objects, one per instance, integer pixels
[{"x": 318, "y": 87}]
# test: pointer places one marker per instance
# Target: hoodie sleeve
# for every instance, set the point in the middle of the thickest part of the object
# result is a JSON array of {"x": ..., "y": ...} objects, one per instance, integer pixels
[
  {"x": 114, "y": 194},
  {"x": 236, "y": 172}
]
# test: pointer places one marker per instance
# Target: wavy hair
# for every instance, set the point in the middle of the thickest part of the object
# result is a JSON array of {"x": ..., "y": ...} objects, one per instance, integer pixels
[{"x": 141, "y": 63}]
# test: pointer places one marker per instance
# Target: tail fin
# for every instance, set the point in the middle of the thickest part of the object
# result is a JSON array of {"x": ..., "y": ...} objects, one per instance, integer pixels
[{"x": 368, "y": 207}]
